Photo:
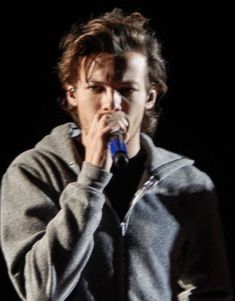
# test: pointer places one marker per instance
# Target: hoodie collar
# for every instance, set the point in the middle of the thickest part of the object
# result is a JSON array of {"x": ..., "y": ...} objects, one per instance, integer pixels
[
  {"x": 59, "y": 143},
  {"x": 160, "y": 162}
]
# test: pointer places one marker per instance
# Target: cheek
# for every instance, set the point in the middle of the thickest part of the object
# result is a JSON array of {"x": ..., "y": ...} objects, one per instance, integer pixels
[
  {"x": 135, "y": 103},
  {"x": 86, "y": 109},
  {"x": 85, "y": 113},
  {"x": 137, "y": 106},
  {"x": 136, "y": 112}
]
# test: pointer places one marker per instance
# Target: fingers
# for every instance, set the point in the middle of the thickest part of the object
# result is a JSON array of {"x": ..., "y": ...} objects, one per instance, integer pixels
[
  {"x": 96, "y": 139},
  {"x": 118, "y": 121},
  {"x": 106, "y": 122}
]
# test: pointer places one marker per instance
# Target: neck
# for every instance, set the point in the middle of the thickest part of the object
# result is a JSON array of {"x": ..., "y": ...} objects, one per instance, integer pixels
[{"x": 133, "y": 145}]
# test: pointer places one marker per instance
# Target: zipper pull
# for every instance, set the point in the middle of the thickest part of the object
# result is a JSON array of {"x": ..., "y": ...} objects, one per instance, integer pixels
[
  {"x": 123, "y": 229},
  {"x": 150, "y": 182}
]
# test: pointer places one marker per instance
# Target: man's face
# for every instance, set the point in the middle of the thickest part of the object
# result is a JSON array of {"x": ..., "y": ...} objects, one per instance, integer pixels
[{"x": 115, "y": 84}]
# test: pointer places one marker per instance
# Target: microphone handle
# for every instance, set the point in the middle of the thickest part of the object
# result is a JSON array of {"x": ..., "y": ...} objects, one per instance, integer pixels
[{"x": 118, "y": 150}]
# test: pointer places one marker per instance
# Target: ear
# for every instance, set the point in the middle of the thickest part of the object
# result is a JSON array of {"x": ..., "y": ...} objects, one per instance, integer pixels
[
  {"x": 152, "y": 97},
  {"x": 71, "y": 95}
]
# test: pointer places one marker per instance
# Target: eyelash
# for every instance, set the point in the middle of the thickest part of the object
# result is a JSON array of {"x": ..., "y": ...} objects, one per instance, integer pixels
[
  {"x": 126, "y": 91},
  {"x": 96, "y": 89},
  {"x": 122, "y": 91}
]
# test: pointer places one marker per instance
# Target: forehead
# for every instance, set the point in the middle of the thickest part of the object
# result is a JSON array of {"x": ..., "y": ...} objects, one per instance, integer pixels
[{"x": 108, "y": 68}]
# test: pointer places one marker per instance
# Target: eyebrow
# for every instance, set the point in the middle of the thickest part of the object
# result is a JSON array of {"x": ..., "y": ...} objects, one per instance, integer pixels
[{"x": 122, "y": 83}]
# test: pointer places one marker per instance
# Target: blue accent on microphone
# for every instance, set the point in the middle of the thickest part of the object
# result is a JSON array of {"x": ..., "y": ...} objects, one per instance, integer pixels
[
  {"x": 117, "y": 145},
  {"x": 118, "y": 150}
]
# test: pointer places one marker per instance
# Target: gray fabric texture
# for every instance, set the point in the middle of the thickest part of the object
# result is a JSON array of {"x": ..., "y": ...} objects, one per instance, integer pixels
[{"x": 62, "y": 239}]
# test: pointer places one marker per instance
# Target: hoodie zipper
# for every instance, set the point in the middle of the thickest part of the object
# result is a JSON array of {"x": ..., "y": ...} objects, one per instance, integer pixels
[
  {"x": 124, "y": 225},
  {"x": 146, "y": 186}
]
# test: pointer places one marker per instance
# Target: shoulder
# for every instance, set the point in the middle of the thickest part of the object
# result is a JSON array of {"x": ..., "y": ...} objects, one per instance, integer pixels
[
  {"x": 194, "y": 179},
  {"x": 173, "y": 168},
  {"x": 54, "y": 151}
]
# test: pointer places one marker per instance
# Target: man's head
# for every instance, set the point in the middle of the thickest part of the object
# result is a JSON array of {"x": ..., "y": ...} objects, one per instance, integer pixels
[{"x": 113, "y": 39}]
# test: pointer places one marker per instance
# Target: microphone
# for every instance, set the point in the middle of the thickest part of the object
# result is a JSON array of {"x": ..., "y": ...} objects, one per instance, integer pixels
[{"x": 118, "y": 149}]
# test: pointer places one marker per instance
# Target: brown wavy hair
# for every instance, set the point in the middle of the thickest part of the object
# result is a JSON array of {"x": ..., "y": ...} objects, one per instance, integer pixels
[{"x": 114, "y": 32}]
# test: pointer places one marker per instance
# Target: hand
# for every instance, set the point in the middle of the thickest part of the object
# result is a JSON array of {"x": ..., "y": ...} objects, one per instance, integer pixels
[{"x": 96, "y": 140}]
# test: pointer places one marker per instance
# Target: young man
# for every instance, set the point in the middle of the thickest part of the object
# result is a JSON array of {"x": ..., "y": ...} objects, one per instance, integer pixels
[{"x": 75, "y": 226}]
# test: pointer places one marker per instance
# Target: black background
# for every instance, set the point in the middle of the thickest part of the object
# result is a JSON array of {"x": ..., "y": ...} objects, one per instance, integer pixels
[{"x": 197, "y": 111}]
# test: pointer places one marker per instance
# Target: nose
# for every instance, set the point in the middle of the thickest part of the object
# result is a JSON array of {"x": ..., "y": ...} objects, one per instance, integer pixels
[{"x": 112, "y": 101}]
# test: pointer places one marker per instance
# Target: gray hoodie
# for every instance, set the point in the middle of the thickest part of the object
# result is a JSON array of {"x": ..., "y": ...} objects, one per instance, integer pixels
[{"x": 62, "y": 240}]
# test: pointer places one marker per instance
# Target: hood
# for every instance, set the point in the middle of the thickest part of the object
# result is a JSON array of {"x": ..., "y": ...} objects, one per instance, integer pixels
[
  {"x": 160, "y": 162},
  {"x": 60, "y": 144}
]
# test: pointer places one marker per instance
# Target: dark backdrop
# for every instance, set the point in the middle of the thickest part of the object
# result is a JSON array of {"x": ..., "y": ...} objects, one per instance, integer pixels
[{"x": 197, "y": 111}]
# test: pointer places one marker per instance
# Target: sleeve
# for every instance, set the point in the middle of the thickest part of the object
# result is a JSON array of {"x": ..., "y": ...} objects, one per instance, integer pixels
[
  {"x": 45, "y": 245},
  {"x": 204, "y": 273}
]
